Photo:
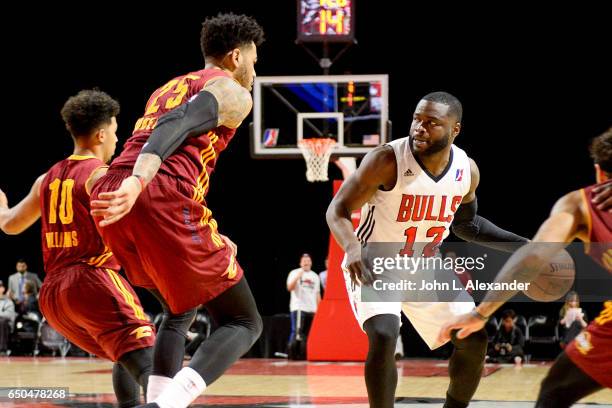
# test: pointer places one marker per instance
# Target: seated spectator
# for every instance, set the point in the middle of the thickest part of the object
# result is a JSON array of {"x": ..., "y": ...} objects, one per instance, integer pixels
[
  {"x": 571, "y": 318},
  {"x": 17, "y": 281},
  {"x": 29, "y": 315},
  {"x": 509, "y": 341},
  {"x": 30, "y": 301},
  {"x": 7, "y": 318}
]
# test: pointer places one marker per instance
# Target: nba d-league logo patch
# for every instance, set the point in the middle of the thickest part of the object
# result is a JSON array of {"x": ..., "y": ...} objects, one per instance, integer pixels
[{"x": 459, "y": 175}]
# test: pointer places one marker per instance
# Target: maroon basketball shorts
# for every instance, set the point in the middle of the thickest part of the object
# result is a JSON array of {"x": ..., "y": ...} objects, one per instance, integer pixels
[
  {"x": 169, "y": 242},
  {"x": 97, "y": 310},
  {"x": 591, "y": 350}
]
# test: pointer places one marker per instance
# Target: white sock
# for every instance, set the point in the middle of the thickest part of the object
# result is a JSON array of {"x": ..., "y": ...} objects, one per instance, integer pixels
[
  {"x": 157, "y": 383},
  {"x": 186, "y": 386}
]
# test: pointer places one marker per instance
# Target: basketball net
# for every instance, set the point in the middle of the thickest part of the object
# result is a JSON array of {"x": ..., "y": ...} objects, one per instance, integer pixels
[{"x": 316, "y": 152}]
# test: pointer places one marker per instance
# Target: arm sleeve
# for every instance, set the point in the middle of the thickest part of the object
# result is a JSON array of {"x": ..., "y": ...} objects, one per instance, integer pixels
[
  {"x": 471, "y": 227},
  {"x": 193, "y": 118}
]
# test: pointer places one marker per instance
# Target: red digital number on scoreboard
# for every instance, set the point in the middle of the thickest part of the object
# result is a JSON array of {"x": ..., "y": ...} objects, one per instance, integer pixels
[{"x": 326, "y": 20}]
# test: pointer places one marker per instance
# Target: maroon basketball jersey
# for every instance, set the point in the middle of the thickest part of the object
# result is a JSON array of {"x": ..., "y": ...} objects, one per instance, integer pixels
[
  {"x": 195, "y": 159},
  {"x": 600, "y": 231},
  {"x": 69, "y": 235}
]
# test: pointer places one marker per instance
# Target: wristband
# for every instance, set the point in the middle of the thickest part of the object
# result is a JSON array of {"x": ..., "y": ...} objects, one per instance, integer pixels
[
  {"x": 141, "y": 180},
  {"x": 477, "y": 314}
]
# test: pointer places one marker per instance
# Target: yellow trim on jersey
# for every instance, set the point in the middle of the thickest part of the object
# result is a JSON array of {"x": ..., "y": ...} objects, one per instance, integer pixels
[
  {"x": 94, "y": 260},
  {"x": 91, "y": 175},
  {"x": 589, "y": 220},
  {"x": 127, "y": 296},
  {"x": 606, "y": 314},
  {"x": 80, "y": 157},
  {"x": 214, "y": 235},
  {"x": 232, "y": 268},
  {"x": 103, "y": 260},
  {"x": 588, "y": 212},
  {"x": 207, "y": 154}
]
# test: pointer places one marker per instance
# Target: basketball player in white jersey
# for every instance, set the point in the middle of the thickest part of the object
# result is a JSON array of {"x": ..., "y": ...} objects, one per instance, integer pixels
[{"x": 411, "y": 190}]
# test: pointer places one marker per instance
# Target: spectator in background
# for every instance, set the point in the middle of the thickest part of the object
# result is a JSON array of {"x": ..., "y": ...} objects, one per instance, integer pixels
[
  {"x": 571, "y": 318},
  {"x": 30, "y": 302},
  {"x": 509, "y": 341},
  {"x": 17, "y": 281},
  {"x": 323, "y": 275},
  {"x": 7, "y": 318},
  {"x": 305, "y": 289}
]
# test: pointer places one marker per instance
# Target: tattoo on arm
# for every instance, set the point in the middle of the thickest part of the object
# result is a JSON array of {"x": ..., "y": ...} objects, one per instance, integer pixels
[
  {"x": 147, "y": 166},
  {"x": 234, "y": 101}
]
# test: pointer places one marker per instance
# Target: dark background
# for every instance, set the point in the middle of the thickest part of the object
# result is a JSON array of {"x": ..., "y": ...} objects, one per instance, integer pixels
[{"x": 535, "y": 86}]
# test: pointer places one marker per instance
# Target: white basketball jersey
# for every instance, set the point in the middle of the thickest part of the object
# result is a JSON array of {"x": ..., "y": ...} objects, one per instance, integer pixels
[{"x": 421, "y": 207}]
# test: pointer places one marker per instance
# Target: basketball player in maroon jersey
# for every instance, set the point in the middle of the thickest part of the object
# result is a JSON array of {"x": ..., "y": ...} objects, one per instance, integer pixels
[
  {"x": 151, "y": 210},
  {"x": 80, "y": 268},
  {"x": 585, "y": 366}
]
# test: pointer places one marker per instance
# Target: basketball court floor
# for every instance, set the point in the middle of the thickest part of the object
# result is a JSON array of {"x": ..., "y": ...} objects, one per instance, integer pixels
[{"x": 279, "y": 383}]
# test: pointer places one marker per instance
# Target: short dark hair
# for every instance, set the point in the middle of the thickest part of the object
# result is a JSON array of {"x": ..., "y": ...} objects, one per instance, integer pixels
[
  {"x": 225, "y": 32},
  {"x": 87, "y": 110},
  {"x": 451, "y": 101},
  {"x": 601, "y": 150},
  {"x": 508, "y": 313},
  {"x": 21, "y": 260}
]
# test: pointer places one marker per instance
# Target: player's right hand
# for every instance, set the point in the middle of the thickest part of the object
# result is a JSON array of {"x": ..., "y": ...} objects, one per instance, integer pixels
[
  {"x": 114, "y": 205},
  {"x": 360, "y": 274}
]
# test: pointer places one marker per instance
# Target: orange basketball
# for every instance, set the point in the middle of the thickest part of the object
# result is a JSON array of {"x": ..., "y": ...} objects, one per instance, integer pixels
[{"x": 555, "y": 281}]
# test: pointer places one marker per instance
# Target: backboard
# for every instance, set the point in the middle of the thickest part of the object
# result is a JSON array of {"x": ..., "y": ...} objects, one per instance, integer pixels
[{"x": 352, "y": 109}]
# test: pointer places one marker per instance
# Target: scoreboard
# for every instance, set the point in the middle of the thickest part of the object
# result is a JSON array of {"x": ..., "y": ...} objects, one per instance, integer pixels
[{"x": 326, "y": 20}]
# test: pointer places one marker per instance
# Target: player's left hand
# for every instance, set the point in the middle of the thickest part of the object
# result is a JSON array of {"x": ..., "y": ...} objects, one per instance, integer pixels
[
  {"x": 114, "y": 205},
  {"x": 465, "y": 323},
  {"x": 603, "y": 197},
  {"x": 3, "y": 200}
]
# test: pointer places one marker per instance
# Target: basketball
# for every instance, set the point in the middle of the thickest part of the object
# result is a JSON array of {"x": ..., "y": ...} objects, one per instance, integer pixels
[{"x": 553, "y": 283}]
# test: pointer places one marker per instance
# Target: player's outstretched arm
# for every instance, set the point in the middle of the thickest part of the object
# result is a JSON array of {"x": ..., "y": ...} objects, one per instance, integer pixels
[
  {"x": 377, "y": 170},
  {"x": 17, "y": 219},
  {"x": 471, "y": 227},
  {"x": 566, "y": 222},
  {"x": 222, "y": 102}
]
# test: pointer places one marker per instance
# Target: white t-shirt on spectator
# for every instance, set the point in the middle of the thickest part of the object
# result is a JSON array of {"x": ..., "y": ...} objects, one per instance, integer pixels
[{"x": 304, "y": 295}]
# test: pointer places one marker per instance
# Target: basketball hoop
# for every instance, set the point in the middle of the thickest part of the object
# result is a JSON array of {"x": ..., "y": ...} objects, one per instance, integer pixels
[{"x": 316, "y": 152}]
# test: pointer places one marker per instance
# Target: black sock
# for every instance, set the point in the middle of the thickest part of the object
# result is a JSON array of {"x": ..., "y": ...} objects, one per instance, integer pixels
[
  {"x": 380, "y": 368},
  {"x": 465, "y": 368}
]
